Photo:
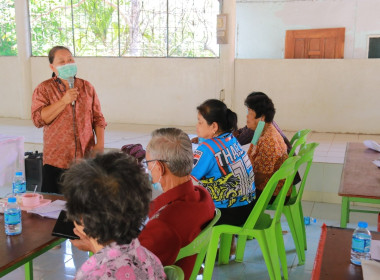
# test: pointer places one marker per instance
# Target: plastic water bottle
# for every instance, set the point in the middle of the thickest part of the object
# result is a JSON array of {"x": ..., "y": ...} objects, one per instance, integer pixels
[
  {"x": 19, "y": 184},
  {"x": 308, "y": 220},
  {"x": 12, "y": 217},
  {"x": 361, "y": 243}
]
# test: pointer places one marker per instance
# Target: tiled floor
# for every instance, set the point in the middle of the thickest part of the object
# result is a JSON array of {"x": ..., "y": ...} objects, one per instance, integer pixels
[
  {"x": 63, "y": 263},
  {"x": 331, "y": 149}
]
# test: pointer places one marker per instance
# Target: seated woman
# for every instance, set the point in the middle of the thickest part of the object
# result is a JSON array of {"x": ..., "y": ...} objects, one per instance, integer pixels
[
  {"x": 221, "y": 165},
  {"x": 178, "y": 215},
  {"x": 271, "y": 151},
  {"x": 108, "y": 200}
]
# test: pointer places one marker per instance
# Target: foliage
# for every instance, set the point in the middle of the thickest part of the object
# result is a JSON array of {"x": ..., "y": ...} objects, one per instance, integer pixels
[
  {"x": 157, "y": 28},
  {"x": 8, "y": 41}
]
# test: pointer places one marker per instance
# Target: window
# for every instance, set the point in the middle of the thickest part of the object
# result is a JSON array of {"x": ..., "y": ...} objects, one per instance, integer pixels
[
  {"x": 8, "y": 41},
  {"x": 374, "y": 47},
  {"x": 149, "y": 28}
]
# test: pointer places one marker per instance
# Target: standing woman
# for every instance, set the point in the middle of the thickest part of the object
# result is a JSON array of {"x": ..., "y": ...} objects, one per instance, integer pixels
[
  {"x": 221, "y": 165},
  {"x": 70, "y": 115}
]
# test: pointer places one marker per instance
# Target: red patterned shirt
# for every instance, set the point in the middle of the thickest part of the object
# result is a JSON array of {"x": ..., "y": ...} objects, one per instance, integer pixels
[
  {"x": 267, "y": 156},
  {"x": 59, "y": 143}
]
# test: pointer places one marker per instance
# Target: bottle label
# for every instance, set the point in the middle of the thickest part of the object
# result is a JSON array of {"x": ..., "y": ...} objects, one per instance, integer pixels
[
  {"x": 19, "y": 187},
  {"x": 361, "y": 245},
  {"x": 12, "y": 218}
]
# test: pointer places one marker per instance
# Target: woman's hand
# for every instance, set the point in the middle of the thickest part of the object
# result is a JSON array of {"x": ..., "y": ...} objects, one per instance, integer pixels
[
  {"x": 194, "y": 140},
  {"x": 97, "y": 149},
  {"x": 70, "y": 96}
]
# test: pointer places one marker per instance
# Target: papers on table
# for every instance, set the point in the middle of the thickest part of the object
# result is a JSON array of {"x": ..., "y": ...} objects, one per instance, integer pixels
[
  {"x": 372, "y": 145},
  {"x": 51, "y": 210},
  {"x": 376, "y": 162},
  {"x": 375, "y": 250}
]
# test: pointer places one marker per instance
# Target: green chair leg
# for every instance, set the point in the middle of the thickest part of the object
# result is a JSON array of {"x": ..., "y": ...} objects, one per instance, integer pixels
[
  {"x": 225, "y": 248},
  {"x": 211, "y": 255},
  {"x": 29, "y": 270},
  {"x": 240, "y": 248},
  {"x": 281, "y": 251}
]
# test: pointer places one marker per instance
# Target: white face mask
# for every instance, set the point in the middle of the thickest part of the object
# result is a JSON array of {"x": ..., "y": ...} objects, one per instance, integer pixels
[{"x": 157, "y": 186}]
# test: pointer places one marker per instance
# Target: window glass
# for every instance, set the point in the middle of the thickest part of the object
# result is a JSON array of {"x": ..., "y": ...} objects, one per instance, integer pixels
[
  {"x": 8, "y": 40},
  {"x": 125, "y": 27},
  {"x": 51, "y": 24}
]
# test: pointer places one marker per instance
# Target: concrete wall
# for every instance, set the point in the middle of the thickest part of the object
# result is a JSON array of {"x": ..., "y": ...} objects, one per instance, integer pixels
[
  {"x": 261, "y": 25},
  {"x": 323, "y": 95},
  {"x": 145, "y": 90}
]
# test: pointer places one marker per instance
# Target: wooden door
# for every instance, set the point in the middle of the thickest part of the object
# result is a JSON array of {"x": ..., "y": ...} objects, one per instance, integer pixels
[{"x": 315, "y": 43}]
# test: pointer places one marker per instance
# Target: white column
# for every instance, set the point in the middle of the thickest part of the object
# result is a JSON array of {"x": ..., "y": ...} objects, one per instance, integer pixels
[
  {"x": 24, "y": 54},
  {"x": 227, "y": 55}
]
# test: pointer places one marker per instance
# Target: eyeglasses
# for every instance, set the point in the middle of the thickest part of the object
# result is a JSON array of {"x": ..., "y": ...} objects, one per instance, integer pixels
[{"x": 145, "y": 162}]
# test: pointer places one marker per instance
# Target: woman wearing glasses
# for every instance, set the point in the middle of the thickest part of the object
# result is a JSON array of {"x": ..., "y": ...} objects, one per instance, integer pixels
[
  {"x": 178, "y": 215},
  {"x": 221, "y": 165}
]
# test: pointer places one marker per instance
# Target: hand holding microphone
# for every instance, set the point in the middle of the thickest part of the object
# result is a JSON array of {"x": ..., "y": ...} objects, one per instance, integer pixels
[{"x": 70, "y": 80}]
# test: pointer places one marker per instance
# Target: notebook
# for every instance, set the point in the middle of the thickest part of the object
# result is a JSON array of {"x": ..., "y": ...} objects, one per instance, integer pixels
[{"x": 64, "y": 227}]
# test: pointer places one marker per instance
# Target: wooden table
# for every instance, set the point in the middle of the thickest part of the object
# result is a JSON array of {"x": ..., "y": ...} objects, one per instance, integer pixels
[
  {"x": 360, "y": 180},
  {"x": 332, "y": 261},
  {"x": 34, "y": 240}
]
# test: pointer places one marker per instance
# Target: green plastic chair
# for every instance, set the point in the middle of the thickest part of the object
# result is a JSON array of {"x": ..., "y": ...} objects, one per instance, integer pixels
[
  {"x": 174, "y": 272},
  {"x": 260, "y": 225},
  {"x": 293, "y": 209},
  {"x": 298, "y": 139},
  {"x": 199, "y": 246}
]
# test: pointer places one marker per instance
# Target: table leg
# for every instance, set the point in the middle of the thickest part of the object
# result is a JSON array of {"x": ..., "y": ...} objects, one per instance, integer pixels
[
  {"x": 29, "y": 270},
  {"x": 345, "y": 212}
]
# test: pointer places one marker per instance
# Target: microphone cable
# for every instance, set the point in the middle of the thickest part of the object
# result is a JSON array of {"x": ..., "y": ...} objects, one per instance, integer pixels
[{"x": 75, "y": 135}]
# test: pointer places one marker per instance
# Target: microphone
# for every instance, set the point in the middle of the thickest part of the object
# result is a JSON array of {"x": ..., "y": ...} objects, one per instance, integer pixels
[{"x": 70, "y": 80}]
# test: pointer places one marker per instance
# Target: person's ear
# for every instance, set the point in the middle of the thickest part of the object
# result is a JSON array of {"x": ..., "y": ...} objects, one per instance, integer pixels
[
  {"x": 161, "y": 168},
  {"x": 215, "y": 127},
  {"x": 53, "y": 69}
]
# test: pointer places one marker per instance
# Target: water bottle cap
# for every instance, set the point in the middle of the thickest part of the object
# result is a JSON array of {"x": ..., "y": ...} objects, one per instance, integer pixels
[
  {"x": 12, "y": 200},
  {"x": 362, "y": 224},
  {"x": 18, "y": 173}
]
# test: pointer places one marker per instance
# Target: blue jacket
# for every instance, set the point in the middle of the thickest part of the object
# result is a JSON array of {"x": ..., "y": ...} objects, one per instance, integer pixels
[{"x": 225, "y": 170}]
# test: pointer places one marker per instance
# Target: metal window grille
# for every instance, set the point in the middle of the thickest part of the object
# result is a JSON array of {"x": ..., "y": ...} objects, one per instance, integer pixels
[{"x": 148, "y": 28}]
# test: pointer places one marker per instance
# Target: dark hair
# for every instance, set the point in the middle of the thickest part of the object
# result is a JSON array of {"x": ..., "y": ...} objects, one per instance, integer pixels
[
  {"x": 54, "y": 50},
  {"x": 213, "y": 110},
  {"x": 109, "y": 195},
  {"x": 261, "y": 104}
]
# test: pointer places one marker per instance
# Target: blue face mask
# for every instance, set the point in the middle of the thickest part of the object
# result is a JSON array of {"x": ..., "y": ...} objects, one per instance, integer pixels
[
  {"x": 157, "y": 186},
  {"x": 66, "y": 71}
]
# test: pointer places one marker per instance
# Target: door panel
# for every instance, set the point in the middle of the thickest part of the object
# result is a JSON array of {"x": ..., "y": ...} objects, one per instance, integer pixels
[{"x": 315, "y": 43}]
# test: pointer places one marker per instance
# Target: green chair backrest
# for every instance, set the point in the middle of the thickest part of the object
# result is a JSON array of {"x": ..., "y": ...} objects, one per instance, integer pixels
[
  {"x": 298, "y": 139},
  {"x": 174, "y": 272},
  {"x": 201, "y": 241},
  {"x": 307, "y": 154},
  {"x": 287, "y": 171}
]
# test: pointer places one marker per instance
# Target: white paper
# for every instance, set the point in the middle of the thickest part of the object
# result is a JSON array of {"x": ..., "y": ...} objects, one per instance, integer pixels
[
  {"x": 376, "y": 162},
  {"x": 51, "y": 210},
  {"x": 372, "y": 145},
  {"x": 375, "y": 250},
  {"x": 371, "y": 269}
]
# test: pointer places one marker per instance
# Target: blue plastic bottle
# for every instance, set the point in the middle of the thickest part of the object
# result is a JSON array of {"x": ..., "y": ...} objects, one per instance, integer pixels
[
  {"x": 361, "y": 243},
  {"x": 12, "y": 217},
  {"x": 19, "y": 184},
  {"x": 308, "y": 220}
]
